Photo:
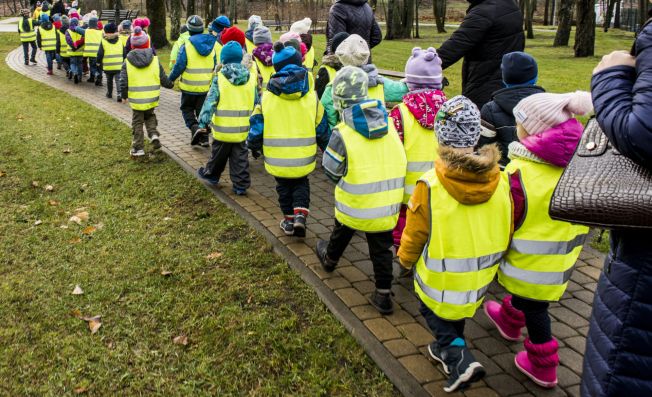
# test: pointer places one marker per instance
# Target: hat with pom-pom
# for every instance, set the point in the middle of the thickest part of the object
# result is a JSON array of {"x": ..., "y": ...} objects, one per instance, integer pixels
[
  {"x": 353, "y": 51},
  {"x": 262, "y": 35},
  {"x": 142, "y": 22},
  {"x": 285, "y": 54},
  {"x": 540, "y": 112},
  {"x": 302, "y": 26},
  {"x": 233, "y": 34},
  {"x": 254, "y": 21},
  {"x": 423, "y": 70},
  {"x": 195, "y": 24},
  {"x": 337, "y": 40},
  {"x": 285, "y": 37},
  {"x": 219, "y": 24},
  {"x": 231, "y": 53},
  {"x": 139, "y": 38}
]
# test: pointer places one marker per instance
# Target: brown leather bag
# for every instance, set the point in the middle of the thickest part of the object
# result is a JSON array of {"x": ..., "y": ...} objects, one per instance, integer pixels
[{"x": 601, "y": 187}]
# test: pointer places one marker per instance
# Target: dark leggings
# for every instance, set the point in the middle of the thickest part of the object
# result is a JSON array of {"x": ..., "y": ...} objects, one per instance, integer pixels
[{"x": 537, "y": 319}]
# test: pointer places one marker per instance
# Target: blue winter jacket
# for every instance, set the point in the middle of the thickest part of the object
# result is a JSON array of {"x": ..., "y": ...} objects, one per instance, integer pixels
[
  {"x": 204, "y": 44},
  {"x": 618, "y": 358}
]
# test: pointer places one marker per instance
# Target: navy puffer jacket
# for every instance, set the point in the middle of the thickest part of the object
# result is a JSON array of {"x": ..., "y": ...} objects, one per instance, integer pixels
[{"x": 618, "y": 358}]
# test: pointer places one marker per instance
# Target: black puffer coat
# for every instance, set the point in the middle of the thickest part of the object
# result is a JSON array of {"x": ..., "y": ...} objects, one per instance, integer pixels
[
  {"x": 490, "y": 29},
  {"x": 498, "y": 113},
  {"x": 353, "y": 17}
]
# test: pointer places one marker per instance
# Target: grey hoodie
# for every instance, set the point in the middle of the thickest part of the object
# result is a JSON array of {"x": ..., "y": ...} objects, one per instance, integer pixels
[{"x": 140, "y": 59}]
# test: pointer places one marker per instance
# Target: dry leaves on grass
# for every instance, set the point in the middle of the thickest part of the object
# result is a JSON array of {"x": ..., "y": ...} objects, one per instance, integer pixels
[
  {"x": 2, "y": 173},
  {"x": 35, "y": 184},
  {"x": 214, "y": 255},
  {"x": 79, "y": 217},
  {"x": 166, "y": 273},
  {"x": 88, "y": 230},
  {"x": 94, "y": 323},
  {"x": 66, "y": 151},
  {"x": 75, "y": 240},
  {"x": 38, "y": 222},
  {"x": 180, "y": 340},
  {"x": 80, "y": 390},
  {"x": 49, "y": 188},
  {"x": 77, "y": 290},
  {"x": 53, "y": 202}
]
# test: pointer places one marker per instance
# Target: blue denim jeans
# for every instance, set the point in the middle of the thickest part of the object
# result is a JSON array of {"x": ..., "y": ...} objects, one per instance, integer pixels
[
  {"x": 76, "y": 65},
  {"x": 445, "y": 331},
  {"x": 49, "y": 57},
  {"x": 92, "y": 65}
]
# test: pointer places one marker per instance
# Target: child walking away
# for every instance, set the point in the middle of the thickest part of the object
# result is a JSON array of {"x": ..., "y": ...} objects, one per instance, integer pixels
[
  {"x": 75, "y": 44},
  {"x": 92, "y": 41},
  {"x": 27, "y": 36},
  {"x": 184, "y": 35},
  {"x": 262, "y": 54},
  {"x": 140, "y": 81},
  {"x": 367, "y": 161},
  {"x": 459, "y": 222},
  {"x": 216, "y": 28},
  {"x": 47, "y": 39},
  {"x": 289, "y": 143},
  {"x": 302, "y": 28},
  {"x": 143, "y": 24},
  {"x": 330, "y": 64},
  {"x": 520, "y": 74},
  {"x": 125, "y": 31},
  {"x": 253, "y": 23},
  {"x": 62, "y": 48},
  {"x": 110, "y": 58},
  {"x": 230, "y": 102},
  {"x": 543, "y": 251}
]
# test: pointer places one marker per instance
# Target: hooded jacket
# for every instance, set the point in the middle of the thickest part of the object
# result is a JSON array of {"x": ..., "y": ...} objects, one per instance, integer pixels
[
  {"x": 204, "y": 44},
  {"x": 263, "y": 53},
  {"x": 111, "y": 38},
  {"x": 140, "y": 58},
  {"x": 291, "y": 83},
  {"x": 334, "y": 160},
  {"x": 468, "y": 178},
  {"x": 46, "y": 26},
  {"x": 490, "y": 29},
  {"x": 353, "y": 17},
  {"x": 499, "y": 113}
]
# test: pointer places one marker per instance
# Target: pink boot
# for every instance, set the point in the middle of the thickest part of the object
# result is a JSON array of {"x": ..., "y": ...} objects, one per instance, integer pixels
[
  {"x": 539, "y": 362},
  {"x": 506, "y": 318}
]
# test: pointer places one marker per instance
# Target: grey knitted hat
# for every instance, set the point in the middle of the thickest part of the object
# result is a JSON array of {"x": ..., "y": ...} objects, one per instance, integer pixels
[
  {"x": 350, "y": 87},
  {"x": 458, "y": 123},
  {"x": 262, "y": 35}
]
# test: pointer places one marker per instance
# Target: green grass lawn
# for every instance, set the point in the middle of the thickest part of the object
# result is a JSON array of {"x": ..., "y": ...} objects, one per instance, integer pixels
[{"x": 253, "y": 326}]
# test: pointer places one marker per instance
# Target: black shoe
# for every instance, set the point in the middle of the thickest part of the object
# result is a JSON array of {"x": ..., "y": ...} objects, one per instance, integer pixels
[
  {"x": 26, "y": 63},
  {"x": 299, "y": 225},
  {"x": 76, "y": 79},
  {"x": 98, "y": 83},
  {"x": 382, "y": 301},
  {"x": 156, "y": 142},
  {"x": 197, "y": 137},
  {"x": 435, "y": 353},
  {"x": 327, "y": 264},
  {"x": 90, "y": 79},
  {"x": 203, "y": 142},
  {"x": 109, "y": 95},
  {"x": 287, "y": 225},
  {"x": 463, "y": 367},
  {"x": 33, "y": 61},
  {"x": 201, "y": 173},
  {"x": 58, "y": 66},
  {"x": 69, "y": 74},
  {"x": 119, "y": 99}
]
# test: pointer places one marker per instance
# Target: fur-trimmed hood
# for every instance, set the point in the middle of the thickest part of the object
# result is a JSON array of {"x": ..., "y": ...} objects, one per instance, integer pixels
[
  {"x": 470, "y": 178},
  {"x": 332, "y": 61}
]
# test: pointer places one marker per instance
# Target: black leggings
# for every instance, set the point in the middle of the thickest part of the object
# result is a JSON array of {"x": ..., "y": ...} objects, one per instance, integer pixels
[{"x": 537, "y": 319}]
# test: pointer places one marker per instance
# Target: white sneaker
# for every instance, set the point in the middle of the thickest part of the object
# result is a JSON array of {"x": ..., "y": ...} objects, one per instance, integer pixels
[
  {"x": 137, "y": 153},
  {"x": 156, "y": 142}
]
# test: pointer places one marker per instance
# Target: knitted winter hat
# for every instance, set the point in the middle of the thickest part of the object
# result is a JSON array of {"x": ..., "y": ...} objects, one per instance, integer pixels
[
  {"x": 92, "y": 22},
  {"x": 262, "y": 35},
  {"x": 74, "y": 22},
  {"x": 44, "y": 18},
  {"x": 423, "y": 69},
  {"x": 45, "y": 6},
  {"x": 233, "y": 34},
  {"x": 350, "y": 87},
  {"x": 219, "y": 24},
  {"x": 110, "y": 28},
  {"x": 302, "y": 26},
  {"x": 56, "y": 17},
  {"x": 285, "y": 54},
  {"x": 254, "y": 22},
  {"x": 231, "y": 53},
  {"x": 540, "y": 112},
  {"x": 74, "y": 14},
  {"x": 306, "y": 38},
  {"x": 142, "y": 22},
  {"x": 195, "y": 24},
  {"x": 139, "y": 38},
  {"x": 285, "y": 37},
  {"x": 75, "y": 4},
  {"x": 458, "y": 123},
  {"x": 65, "y": 21},
  {"x": 519, "y": 68},
  {"x": 125, "y": 26},
  {"x": 337, "y": 40},
  {"x": 354, "y": 51}
]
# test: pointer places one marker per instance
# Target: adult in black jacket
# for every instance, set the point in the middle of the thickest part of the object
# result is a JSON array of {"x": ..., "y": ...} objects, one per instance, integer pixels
[
  {"x": 58, "y": 8},
  {"x": 490, "y": 29},
  {"x": 353, "y": 17}
]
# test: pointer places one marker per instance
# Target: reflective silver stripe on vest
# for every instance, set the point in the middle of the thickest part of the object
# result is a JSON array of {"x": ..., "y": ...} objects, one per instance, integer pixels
[
  {"x": 232, "y": 113},
  {"x": 532, "y": 277},
  {"x": 409, "y": 189},
  {"x": 49, "y": 39},
  {"x": 289, "y": 142},
  {"x": 461, "y": 265},
  {"x": 197, "y": 83},
  {"x": 419, "y": 166},
  {"x": 142, "y": 101},
  {"x": 372, "y": 187},
  {"x": 113, "y": 56},
  {"x": 534, "y": 247},
  {"x": 369, "y": 213},
  {"x": 111, "y": 64},
  {"x": 230, "y": 130},
  {"x": 276, "y": 162},
  {"x": 198, "y": 71},
  {"x": 144, "y": 88},
  {"x": 451, "y": 297}
]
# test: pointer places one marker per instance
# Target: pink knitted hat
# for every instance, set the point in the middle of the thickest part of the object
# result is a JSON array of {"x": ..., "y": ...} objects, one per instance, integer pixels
[{"x": 540, "y": 112}]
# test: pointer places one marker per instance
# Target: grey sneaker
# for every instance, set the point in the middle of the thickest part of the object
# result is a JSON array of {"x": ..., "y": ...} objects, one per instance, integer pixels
[
  {"x": 287, "y": 225},
  {"x": 156, "y": 142},
  {"x": 137, "y": 153},
  {"x": 463, "y": 367}
]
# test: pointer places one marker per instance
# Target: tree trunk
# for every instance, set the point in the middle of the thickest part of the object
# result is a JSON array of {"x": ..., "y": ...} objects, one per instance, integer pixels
[
  {"x": 553, "y": 10},
  {"x": 564, "y": 21},
  {"x": 156, "y": 14},
  {"x": 617, "y": 16},
  {"x": 529, "y": 14},
  {"x": 439, "y": 10},
  {"x": 642, "y": 15},
  {"x": 233, "y": 11},
  {"x": 585, "y": 32},
  {"x": 190, "y": 8},
  {"x": 546, "y": 19},
  {"x": 608, "y": 14},
  {"x": 399, "y": 25},
  {"x": 416, "y": 18},
  {"x": 175, "y": 19},
  {"x": 389, "y": 20}
]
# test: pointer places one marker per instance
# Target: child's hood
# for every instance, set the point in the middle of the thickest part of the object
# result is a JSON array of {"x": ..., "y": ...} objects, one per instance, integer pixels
[
  {"x": 203, "y": 43},
  {"x": 424, "y": 105},
  {"x": 141, "y": 58},
  {"x": 236, "y": 73},
  {"x": 47, "y": 25},
  {"x": 508, "y": 98},
  {"x": 372, "y": 73},
  {"x": 332, "y": 61},
  {"x": 291, "y": 82},
  {"x": 264, "y": 53},
  {"x": 556, "y": 145},
  {"x": 368, "y": 118}
]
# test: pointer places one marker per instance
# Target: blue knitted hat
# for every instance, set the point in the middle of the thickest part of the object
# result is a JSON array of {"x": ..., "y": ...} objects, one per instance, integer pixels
[
  {"x": 220, "y": 23},
  {"x": 231, "y": 53},
  {"x": 285, "y": 55}
]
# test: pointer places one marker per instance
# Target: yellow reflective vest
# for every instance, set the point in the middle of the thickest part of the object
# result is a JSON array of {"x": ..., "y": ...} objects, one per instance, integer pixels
[
  {"x": 543, "y": 251},
  {"x": 199, "y": 71},
  {"x": 92, "y": 41},
  {"x": 421, "y": 150},
  {"x": 249, "y": 46},
  {"x": 453, "y": 274},
  {"x": 27, "y": 36},
  {"x": 218, "y": 50},
  {"x": 48, "y": 39},
  {"x": 63, "y": 47},
  {"x": 377, "y": 92},
  {"x": 123, "y": 39},
  {"x": 369, "y": 196},
  {"x": 230, "y": 122},
  {"x": 144, "y": 85},
  {"x": 331, "y": 73},
  {"x": 74, "y": 36},
  {"x": 183, "y": 39},
  {"x": 265, "y": 72},
  {"x": 309, "y": 60},
  {"x": 113, "y": 55}
]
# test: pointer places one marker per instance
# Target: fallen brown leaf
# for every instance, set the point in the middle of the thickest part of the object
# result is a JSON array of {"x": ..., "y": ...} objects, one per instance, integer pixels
[
  {"x": 77, "y": 290},
  {"x": 34, "y": 183},
  {"x": 75, "y": 240},
  {"x": 76, "y": 313},
  {"x": 83, "y": 215},
  {"x": 81, "y": 390},
  {"x": 214, "y": 255},
  {"x": 88, "y": 230},
  {"x": 2, "y": 173},
  {"x": 94, "y": 325},
  {"x": 180, "y": 340},
  {"x": 166, "y": 273},
  {"x": 66, "y": 150},
  {"x": 49, "y": 188},
  {"x": 53, "y": 202}
]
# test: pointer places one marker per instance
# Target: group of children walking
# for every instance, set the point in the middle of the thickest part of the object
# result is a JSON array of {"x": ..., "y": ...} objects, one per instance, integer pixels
[{"x": 424, "y": 178}]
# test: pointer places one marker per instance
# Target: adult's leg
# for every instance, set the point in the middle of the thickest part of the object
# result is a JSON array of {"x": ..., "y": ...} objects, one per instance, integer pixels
[
  {"x": 340, "y": 239},
  {"x": 239, "y": 166},
  {"x": 380, "y": 251}
]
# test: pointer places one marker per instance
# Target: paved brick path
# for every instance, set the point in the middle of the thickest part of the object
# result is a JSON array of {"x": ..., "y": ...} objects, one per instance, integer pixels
[{"x": 403, "y": 336}]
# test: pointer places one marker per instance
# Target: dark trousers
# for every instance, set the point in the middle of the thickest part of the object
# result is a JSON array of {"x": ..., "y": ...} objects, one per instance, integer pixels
[
  {"x": 238, "y": 158},
  {"x": 445, "y": 331},
  {"x": 26, "y": 51},
  {"x": 49, "y": 58},
  {"x": 65, "y": 61},
  {"x": 110, "y": 76},
  {"x": 190, "y": 109},
  {"x": 140, "y": 118},
  {"x": 380, "y": 251},
  {"x": 537, "y": 319},
  {"x": 293, "y": 193}
]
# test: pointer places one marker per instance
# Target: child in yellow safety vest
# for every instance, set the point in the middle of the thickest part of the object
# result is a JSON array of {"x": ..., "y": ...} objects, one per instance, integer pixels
[
  {"x": 330, "y": 64},
  {"x": 289, "y": 143},
  {"x": 459, "y": 222},
  {"x": 367, "y": 161},
  {"x": 92, "y": 41},
  {"x": 254, "y": 22},
  {"x": 27, "y": 36},
  {"x": 141, "y": 77},
  {"x": 262, "y": 55},
  {"x": 302, "y": 28},
  {"x": 47, "y": 39},
  {"x": 414, "y": 120},
  {"x": 75, "y": 46},
  {"x": 110, "y": 57},
  {"x": 124, "y": 30},
  {"x": 184, "y": 35},
  {"x": 231, "y": 100},
  {"x": 543, "y": 251}
]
